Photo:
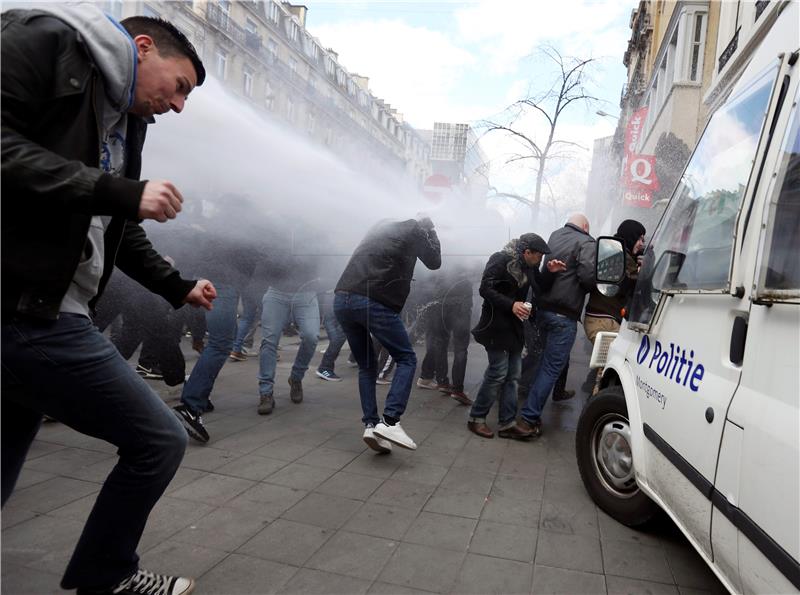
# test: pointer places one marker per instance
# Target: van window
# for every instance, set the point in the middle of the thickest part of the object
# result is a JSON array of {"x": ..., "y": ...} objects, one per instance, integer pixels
[
  {"x": 782, "y": 263},
  {"x": 692, "y": 247}
]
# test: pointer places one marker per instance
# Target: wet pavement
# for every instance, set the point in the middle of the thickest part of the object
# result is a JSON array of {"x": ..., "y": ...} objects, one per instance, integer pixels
[{"x": 294, "y": 502}]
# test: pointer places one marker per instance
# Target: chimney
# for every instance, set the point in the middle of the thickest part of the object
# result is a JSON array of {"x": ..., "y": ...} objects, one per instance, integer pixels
[
  {"x": 362, "y": 81},
  {"x": 333, "y": 53},
  {"x": 298, "y": 10}
]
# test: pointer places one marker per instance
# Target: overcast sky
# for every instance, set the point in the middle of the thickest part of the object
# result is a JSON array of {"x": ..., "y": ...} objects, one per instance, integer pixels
[{"x": 466, "y": 61}]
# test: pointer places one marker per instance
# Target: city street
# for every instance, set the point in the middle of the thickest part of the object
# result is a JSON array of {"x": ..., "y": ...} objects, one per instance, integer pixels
[{"x": 296, "y": 503}]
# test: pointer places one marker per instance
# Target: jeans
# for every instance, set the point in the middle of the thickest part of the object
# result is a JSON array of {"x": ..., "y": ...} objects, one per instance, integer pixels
[
  {"x": 336, "y": 340},
  {"x": 251, "y": 311},
  {"x": 277, "y": 310},
  {"x": 68, "y": 370},
  {"x": 361, "y": 317},
  {"x": 499, "y": 380},
  {"x": 221, "y": 322},
  {"x": 557, "y": 335}
]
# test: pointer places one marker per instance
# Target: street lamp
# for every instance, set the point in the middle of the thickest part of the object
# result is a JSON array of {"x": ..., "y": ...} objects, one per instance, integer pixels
[{"x": 602, "y": 113}]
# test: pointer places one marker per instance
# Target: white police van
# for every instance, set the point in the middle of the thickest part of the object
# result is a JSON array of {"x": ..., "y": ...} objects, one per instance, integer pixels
[{"x": 699, "y": 407}]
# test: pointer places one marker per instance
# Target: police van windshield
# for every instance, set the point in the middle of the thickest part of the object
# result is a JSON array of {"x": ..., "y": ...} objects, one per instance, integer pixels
[{"x": 691, "y": 249}]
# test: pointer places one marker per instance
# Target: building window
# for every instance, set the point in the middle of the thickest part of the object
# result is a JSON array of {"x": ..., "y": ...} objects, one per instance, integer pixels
[
  {"x": 293, "y": 68},
  {"x": 221, "y": 64},
  {"x": 330, "y": 65},
  {"x": 225, "y": 13},
  {"x": 290, "y": 109},
  {"x": 269, "y": 97},
  {"x": 312, "y": 122},
  {"x": 250, "y": 26},
  {"x": 294, "y": 30},
  {"x": 698, "y": 34},
  {"x": 114, "y": 8},
  {"x": 247, "y": 76},
  {"x": 274, "y": 12},
  {"x": 272, "y": 49}
]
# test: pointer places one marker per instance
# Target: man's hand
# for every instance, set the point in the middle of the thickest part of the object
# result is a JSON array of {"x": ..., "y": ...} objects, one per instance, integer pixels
[
  {"x": 201, "y": 294},
  {"x": 520, "y": 311},
  {"x": 160, "y": 201},
  {"x": 556, "y": 266}
]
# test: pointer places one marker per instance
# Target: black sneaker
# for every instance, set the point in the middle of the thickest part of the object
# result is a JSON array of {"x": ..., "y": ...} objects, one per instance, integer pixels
[
  {"x": 144, "y": 582},
  {"x": 564, "y": 395},
  {"x": 193, "y": 423},
  {"x": 209, "y": 407},
  {"x": 149, "y": 373}
]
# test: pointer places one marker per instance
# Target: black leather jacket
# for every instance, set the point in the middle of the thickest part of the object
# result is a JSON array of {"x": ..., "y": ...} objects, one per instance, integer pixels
[
  {"x": 52, "y": 186},
  {"x": 382, "y": 265}
]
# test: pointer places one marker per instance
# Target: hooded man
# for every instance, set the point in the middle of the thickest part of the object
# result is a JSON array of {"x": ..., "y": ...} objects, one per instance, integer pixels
[
  {"x": 504, "y": 288},
  {"x": 77, "y": 91}
]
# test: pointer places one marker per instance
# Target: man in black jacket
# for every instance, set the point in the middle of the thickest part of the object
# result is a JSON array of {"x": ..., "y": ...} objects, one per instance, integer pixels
[
  {"x": 369, "y": 297},
  {"x": 76, "y": 89},
  {"x": 560, "y": 308},
  {"x": 504, "y": 288}
]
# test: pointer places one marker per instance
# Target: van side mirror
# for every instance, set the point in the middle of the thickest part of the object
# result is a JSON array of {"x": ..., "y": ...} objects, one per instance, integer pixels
[{"x": 610, "y": 261}]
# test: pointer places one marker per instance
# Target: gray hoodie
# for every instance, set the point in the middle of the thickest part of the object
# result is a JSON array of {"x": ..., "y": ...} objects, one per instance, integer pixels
[{"x": 114, "y": 54}]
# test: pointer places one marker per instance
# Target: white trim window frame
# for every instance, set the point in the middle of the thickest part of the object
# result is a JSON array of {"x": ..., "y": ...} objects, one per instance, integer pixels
[
  {"x": 248, "y": 77},
  {"x": 221, "y": 64}
]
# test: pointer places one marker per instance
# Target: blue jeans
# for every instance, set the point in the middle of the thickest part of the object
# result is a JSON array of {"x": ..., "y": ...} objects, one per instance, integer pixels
[
  {"x": 360, "y": 318},
  {"x": 251, "y": 311},
  {"x": 277, "y": 310},
  {"x": 221, "y": 323},
  {"x": 66, "y": 369},
  {"x": 557, "y": 334},
  {"x": 499, "y": 381},
  {"x": 336, "y": 340}
]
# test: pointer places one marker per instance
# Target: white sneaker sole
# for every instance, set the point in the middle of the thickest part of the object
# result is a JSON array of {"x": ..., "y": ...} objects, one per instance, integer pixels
[
  {"x": 407, "y": 445},
  {"x": 375, "y": 445}
]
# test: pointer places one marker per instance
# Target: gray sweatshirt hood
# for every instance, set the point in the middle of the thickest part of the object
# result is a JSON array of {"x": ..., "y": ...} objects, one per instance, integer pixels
[{"x": 111, "y": 47}]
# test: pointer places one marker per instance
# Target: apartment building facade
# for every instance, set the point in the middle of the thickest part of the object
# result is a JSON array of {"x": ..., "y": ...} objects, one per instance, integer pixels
[{"x": 261, "y": 51}]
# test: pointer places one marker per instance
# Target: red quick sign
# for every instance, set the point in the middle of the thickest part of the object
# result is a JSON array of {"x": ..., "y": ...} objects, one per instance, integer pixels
[{"x": 639, "y": 179}]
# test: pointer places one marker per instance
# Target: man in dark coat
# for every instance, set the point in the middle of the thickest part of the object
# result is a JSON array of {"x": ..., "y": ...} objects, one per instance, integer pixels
[
  {"x": 504, "y": 288},
  {"x": 369, "y": 297},
  {"x": 77, "y": 91}
]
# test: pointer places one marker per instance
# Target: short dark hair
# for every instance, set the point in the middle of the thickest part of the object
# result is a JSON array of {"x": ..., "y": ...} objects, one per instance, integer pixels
[{"x": 168, "y": 39}]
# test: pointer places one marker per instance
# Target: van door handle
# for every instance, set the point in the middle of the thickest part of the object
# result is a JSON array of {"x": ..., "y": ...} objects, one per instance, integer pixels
[{"x": 738, "y": 340}]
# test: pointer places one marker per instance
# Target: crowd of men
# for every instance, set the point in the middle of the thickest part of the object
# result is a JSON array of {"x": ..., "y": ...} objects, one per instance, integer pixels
[{"x": 78, "y": 92}]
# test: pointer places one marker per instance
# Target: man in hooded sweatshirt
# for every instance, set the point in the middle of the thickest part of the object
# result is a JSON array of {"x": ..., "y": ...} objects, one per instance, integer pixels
[
  {"x": 506, "y": 280},
  {"x": 78, "y": 89}
]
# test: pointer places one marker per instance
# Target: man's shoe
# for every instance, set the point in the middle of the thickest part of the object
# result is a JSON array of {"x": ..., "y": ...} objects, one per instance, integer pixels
[
  {"x": 461, "y": 397},
  {"x": 144, "y": 582},
  {"x": 446, "y": 388},
  {"x": 192, "y": 422},
  {"x": 480, "y": 428},
  {"x": 266, "y": 404},
  {"x": 198, "y": 346},
  {"x": 238, "y": 356},
  {"x": 377, "y": 444},
  {"x": 532, "y": 428},
  {"x": 428, "y": 384},
  {"x": 515, "y": 433},
  {"x": 209, "y": 406},
  {"x": 296, "y": 390},
  {"x": 149, "y": 373},
  {"x": 395, "y": 434},
  {"x": 564, "y": 395},
  {"x": 329, "y": 375},
  {"x": 382, "y": 380}
]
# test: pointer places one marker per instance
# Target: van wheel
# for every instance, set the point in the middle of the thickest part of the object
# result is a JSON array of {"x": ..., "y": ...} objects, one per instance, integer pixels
[{"x": 605, "y": 461}]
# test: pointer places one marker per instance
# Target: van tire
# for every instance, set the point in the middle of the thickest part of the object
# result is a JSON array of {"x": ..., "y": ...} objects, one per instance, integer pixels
[{"x": 602, "y": 446}]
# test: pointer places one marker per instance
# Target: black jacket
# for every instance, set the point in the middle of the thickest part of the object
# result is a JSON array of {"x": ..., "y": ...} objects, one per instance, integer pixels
[
  {"x": 577, "y": 249},
  {"x": 51, "y": 182},
  {"x": 382, "y": 265},
  {"x": 498, "y": 327}
]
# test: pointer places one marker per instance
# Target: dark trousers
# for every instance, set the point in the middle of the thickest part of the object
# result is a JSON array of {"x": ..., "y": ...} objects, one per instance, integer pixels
[
  {"x": 68, "y": 370},
  {"x": 452, "y": 319}
]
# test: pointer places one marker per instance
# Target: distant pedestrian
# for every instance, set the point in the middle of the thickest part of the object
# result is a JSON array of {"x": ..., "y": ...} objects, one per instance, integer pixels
[{"x": 369, "y": 297}]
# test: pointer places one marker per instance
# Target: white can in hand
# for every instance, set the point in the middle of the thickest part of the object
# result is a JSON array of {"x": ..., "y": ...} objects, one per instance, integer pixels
[{"x": 529, "y": 307}]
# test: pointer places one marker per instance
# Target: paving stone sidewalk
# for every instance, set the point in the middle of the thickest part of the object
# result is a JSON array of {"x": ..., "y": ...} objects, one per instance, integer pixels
[{"x": 294, "y": 502}]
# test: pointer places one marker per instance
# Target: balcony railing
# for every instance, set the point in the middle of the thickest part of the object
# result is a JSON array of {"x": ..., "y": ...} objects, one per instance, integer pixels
[{"x": 729, "y": 50}]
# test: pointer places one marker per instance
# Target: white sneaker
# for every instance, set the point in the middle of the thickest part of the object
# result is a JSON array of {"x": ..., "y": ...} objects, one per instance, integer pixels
[
  {"x": 375, "y": 443},
  {"x": 395, "y": 434},
  {"x": 427, "y": 384}
]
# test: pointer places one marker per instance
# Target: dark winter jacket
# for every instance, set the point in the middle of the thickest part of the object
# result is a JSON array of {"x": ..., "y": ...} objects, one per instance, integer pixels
[
  {"x": 382, "y": 265},
  {"x": 576, "y": 248},
  {"x": 52, "y": 185},
  {"x": 501, "y": 286}
]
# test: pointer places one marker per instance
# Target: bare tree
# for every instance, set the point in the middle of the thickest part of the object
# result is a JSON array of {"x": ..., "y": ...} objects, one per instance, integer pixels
[{"x": 568, "y": 89}]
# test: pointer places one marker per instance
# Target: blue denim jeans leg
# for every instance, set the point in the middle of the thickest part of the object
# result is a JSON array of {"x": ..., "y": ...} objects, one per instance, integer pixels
[
  {"x": 278, "y": 308},
  {"x": 336, "y": 340},
  {"x": 362, "y": 318},
  {"x": 251, "y": 312},
  {"x": 557, "y": 334},
  {"x": 221, "y": 323},
  {"x": 66, "y": 369},
  {"x": 499, "y": 381}
]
